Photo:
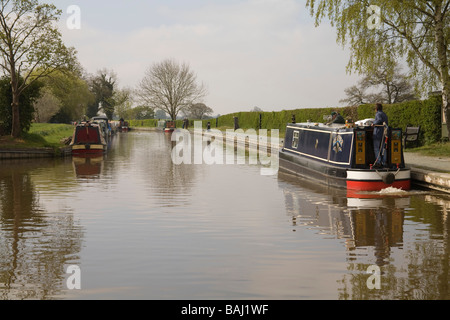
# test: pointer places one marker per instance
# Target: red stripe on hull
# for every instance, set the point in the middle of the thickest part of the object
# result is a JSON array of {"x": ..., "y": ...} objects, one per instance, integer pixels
[{"x": 377, "y": 185}]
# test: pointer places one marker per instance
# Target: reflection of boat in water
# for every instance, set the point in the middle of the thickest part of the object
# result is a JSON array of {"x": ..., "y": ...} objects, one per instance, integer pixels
[
  {"x": 343, "y": 156},
  {"x": 88, "y": 167},
  {"x": 88, "y": 139},
  {"x": 375, "y": 221}
]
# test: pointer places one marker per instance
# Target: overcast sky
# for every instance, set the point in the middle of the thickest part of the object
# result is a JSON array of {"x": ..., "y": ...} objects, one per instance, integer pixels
[{"x": 248, "y": 53}]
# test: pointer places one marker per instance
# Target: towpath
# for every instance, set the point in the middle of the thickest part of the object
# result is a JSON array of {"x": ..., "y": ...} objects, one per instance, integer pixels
[{"x": 429, "y": 172}]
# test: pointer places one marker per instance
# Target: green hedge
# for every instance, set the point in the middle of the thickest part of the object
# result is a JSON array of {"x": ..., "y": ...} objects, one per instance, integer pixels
[
  {"x": 153, "y": 123},
  {"x": 279, "y": 119},
  {"x": 426, "y": 113}
]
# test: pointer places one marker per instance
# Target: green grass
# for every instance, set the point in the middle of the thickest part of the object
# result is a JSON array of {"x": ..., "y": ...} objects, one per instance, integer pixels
[
  {"x": 41, "y": 135},
  {"x": 439, "y": 149},
  {"x": 52, "y": 133}
]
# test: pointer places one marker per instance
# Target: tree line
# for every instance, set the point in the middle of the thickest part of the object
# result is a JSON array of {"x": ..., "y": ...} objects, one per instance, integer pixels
[
  {"x": 42, "y": 74},
  {"x": 43, "y": 80}
]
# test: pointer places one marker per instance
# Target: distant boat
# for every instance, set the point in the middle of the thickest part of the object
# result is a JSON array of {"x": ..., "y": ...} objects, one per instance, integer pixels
[
  {"x": 169, "y": 126},
  {"x": 123, "y": 126},
  {"x": 105, "y": 126},
  {"x": 88, "y": 139},
  {"x": 343, "y": 156}
]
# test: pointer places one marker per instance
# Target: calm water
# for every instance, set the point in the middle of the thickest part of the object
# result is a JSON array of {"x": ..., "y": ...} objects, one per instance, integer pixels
[{"x": 140, "y": 227}]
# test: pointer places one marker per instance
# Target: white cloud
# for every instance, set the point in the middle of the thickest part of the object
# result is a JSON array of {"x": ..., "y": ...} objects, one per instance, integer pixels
[{"x": 248, "y": 53}]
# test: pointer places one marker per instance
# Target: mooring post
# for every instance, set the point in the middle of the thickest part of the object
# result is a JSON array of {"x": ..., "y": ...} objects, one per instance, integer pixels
[{"x": 236, "y": 123}]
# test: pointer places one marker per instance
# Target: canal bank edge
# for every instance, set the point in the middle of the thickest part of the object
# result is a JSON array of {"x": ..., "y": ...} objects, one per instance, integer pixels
[
  {"x": 431, "y": 180},
  {"x": 30, "y": 153}
]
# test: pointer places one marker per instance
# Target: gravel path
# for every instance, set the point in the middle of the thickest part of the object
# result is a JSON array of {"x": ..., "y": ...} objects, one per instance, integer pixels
[{"x": 439, "y": 164}]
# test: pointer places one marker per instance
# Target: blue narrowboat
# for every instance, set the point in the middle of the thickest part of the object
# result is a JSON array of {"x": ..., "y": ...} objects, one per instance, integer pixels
[{"x": 343, "y": 155}]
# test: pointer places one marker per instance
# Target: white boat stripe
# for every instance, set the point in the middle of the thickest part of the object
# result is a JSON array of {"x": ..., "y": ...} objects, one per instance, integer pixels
[{"x": 376, "y": 175}]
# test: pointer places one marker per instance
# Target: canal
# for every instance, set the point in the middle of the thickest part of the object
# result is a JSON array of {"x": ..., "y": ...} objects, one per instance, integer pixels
[{"x": 135, "y": 225}]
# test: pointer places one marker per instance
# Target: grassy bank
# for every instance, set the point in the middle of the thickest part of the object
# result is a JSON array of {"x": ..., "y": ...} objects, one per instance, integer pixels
[
  {"x": 41, "y": 135},
  {"x": 439, "y": 149}
]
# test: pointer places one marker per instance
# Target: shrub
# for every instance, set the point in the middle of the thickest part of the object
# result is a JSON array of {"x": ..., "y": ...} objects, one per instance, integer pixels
[{"x": 26, "y": 109}]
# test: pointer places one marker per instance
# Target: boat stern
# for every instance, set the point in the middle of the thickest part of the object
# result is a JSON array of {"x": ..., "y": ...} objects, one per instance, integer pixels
[
  {"x": 88, "y": 139},
  {"x": 375, "y": 180}
]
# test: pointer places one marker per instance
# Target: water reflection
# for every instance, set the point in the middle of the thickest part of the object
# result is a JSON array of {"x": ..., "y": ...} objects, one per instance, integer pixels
[
  {"x": 167, "y": 183},
  {"x": 88, "y": 167},
  {"x": 35, "y": 244},
  {"x": 380, "y": 228},
  {"x": 405, "y": 234},
  {"x": 140, "y": 226}
]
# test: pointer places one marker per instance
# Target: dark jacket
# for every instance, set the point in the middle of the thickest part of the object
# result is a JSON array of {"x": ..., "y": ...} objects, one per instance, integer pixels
[
  {"x": 380, "y": 118},
  {"x": 338, "y": 119}
]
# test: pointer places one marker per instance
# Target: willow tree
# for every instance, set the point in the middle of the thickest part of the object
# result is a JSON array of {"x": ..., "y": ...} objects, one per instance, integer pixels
[
  {"x": 384, "y": 31},
  {"x": 30, "y": 47},
  {"x": 171, "y": 87}
]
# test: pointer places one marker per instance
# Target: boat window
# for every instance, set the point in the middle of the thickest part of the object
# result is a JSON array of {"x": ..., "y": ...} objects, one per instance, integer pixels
[{"x": 295, "y": 139}]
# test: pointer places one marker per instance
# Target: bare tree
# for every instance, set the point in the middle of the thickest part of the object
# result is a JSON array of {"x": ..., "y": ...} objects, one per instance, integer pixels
[
  {"x": 356, "y": 95},
  {"x": 198, "y": 111},
  {"x": 171, "y": 87},
  {"x": 393, "y": 87}
]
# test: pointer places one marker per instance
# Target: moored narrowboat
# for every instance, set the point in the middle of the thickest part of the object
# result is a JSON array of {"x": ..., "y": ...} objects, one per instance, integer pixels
[
  {"x": 88, "y": 139},
  {"x": 105, "y": 126},
  {"x": 123, "y": 126},
  {"x": 344, "y": 156},
  {"x": 169, "y": 126}
]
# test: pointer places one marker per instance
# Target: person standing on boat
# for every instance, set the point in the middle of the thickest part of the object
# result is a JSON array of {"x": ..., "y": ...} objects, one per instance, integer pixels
[{"x": 381, "y": 120}]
